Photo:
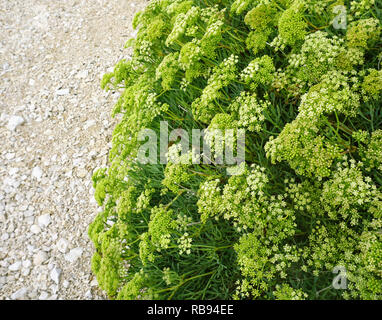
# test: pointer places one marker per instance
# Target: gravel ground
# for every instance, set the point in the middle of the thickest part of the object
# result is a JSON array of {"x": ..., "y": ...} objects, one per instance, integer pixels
[{"x": 55, "y": 129}]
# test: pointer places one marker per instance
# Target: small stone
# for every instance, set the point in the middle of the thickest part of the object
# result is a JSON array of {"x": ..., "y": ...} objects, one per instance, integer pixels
[
  {"x": 11, "y": 182},
  {"x": 74, "y": 254},
  {"x": 14, "y": 122},
  {"x": 15, "y": 266},
  {"x": 62, "y": 92},
  {"x": 88, "y": 294},
  {"x": 82, "y": 173},
  {"x": 37, "y": 173},
  {"x": 44, "y": 220},
  {"x": 27, "y": 263},
  {"x": 53, "y": 288},
  {"x": 94, "y": 283},
  {"x": 55, "y": 275},
  {"x": 40, "y": 258},
  {"x": 43, "y": 296},
  {"x": 83, "y": 74},
  {"x": 4, "y": 236},
  {"x": 11, "y": 228},
  {"x": 25, "y": 271},
  {"x": 10, "y": 155},
  {"x": 13, "y": 171},
  {"x": 20, "y": 294},
  {"x": 35, "y": 229},
  {"x": 62, "y": 245},
  {"x": 89, "y": 124},
  {"x": 65, "y": 284}
]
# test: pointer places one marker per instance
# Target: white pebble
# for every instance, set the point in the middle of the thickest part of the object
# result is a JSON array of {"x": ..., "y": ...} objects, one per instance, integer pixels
[
  {"x": 44, "y": 220},
  {"x": 43, "y": 296},
  {"x": 55, "y": 275},
  {"x": 14, "y": 122},
  {"x": 27, "y": 263},
  {"x": 62, "y": 245},
  {"x": 25, "y": 271},
  {"x": 35, "y": 229},
  {"x": 73, "y": 254},
  {"x": 62, "y": 92},
  {"x": 19, "y": 294},
  {"x": 4, "y": 236},
  {"x": 40, "y": 258},
  {"x": 83, "y": 74},
  {"x": 88, "y": 294},
  {"x": 37, "y": 173},
  {"x": 15, "y": 266}
]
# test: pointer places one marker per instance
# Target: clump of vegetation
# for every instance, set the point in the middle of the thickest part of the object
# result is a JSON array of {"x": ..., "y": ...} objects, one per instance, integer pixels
[{"x": 308, "y": 197}]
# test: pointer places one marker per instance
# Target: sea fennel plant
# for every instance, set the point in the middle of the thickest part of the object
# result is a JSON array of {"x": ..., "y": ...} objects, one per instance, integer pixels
[{"x": 308, "y": 198}]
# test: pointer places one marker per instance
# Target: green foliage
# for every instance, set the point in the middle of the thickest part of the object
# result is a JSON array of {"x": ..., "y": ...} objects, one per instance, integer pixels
[
  {"x": 372, "y": 83},
  {"x": 292, "y": 25},
  {"x": 285, "y": 292},
  {"x": 260, "y": 71},
  {"x": 308, "y": 197},
  {"x": 363, "y": 33}
]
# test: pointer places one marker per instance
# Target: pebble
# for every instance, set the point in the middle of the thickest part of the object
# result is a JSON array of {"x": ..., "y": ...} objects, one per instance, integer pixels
[
  {"x": 62, "y": 245},
  {"x": 15, "y": 266},
  {"x": 55, "y": 274},
  {"x": 43, "y": 296},
  {"x": 88, "y": 294},
  {"x": 40, "y": 258},
  {"x": 83, "y": 74},
  {"x": 20, "y": 294},
  {"x": 82, "y": 173},
  {"x": 44, "y": 220},
  {"x": 4, "y": 236},
  {"x": 62, "y": 92},
  {"x": 73, "y": 255},
  {"x": 27, "y": 263},
  {"x": 14, "y": 122},
  {"x": 37, "y": 173},
  {"x": 35, "y": 229},
  {"x": 25, "y": 271}
]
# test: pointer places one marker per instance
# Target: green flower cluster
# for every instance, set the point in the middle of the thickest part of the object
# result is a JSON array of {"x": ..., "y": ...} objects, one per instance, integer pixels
[
  {"x": 319, "y": 54},
  {"x": 260, "y": 71},
  {"x": 204, "y": 107},
  {"x": 372, "y": 84},
  {"x": 348, "y": 192},
  {"x": 307, "y": 151},
  {"x": 285, "y": 292},
  {"x": 307, "y": 200},
  {"x": 261, "y": 19},
  {"x": 363, "y": 33},
  {"x": 292, "y": 25},
  {"x": 249, "y": 111},
  {"x": 371, "y": 150}
]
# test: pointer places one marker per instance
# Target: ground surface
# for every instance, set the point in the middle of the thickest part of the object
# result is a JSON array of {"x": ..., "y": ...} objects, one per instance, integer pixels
[{"x": 55, "y": 129}]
